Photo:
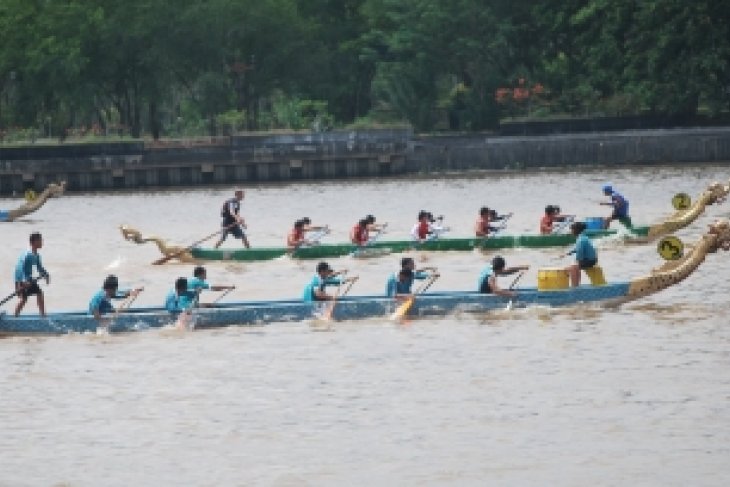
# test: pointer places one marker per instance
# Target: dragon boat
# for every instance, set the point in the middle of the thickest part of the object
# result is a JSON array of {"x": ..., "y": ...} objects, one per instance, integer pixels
[
  {"x": 715, "y": 193},
  {"x": 34, "y": 202},
  {"x": 379, "y": 307}
]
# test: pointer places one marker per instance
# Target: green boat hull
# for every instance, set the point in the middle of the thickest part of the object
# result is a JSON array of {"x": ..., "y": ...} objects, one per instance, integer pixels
[{"x": 381, "y": 247}]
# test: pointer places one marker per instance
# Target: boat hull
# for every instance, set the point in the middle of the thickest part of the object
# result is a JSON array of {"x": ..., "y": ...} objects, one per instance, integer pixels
[
  {"x": 442, "y": 244},
  {"x": 347, "y": 308}
]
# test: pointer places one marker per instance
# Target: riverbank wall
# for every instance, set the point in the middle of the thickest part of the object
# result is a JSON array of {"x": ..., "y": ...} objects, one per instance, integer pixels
[{"x": 339, "y": 155}]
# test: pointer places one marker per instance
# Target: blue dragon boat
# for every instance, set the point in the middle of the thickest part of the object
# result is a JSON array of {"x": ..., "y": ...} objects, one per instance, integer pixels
[{"x": 379, "y": 307}]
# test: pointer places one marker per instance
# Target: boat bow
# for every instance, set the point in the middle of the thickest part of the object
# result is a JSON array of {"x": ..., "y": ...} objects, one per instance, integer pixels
[
  {"x": 33, "y": 205},
  {"x": 133, "y": 235}
]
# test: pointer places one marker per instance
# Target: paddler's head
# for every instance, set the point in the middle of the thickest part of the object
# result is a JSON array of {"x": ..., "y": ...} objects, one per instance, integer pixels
[{"x": 324, "y": 269}]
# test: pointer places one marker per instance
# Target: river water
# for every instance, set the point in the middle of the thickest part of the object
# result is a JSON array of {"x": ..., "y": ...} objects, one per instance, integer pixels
[{"x": 577, "y": 396}]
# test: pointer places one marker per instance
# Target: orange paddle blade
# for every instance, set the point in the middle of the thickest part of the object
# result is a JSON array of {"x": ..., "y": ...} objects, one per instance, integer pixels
[{"x": 401, "y": 311}]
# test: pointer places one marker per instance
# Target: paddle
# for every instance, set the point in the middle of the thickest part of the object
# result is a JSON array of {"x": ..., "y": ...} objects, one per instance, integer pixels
[
  {"x": 327, "y": 315},
  {"x": 501, "y": 226},
  {"x": 190, "y": 247},
  {"x": 401, "y": 311},
  {"x": 511, "y": 286},
  {"x": 568, "y": 220},
  {"x": 222, "y": 295}
]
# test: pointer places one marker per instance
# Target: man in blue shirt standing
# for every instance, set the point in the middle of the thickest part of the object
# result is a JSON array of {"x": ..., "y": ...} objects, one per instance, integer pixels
[
  {"x": 585, "y": 253},
  {"x": 620, "y": 207},
  {"x": 25, "y": 284}
]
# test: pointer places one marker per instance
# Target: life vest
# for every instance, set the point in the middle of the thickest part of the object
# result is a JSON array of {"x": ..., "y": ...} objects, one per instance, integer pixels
[
  {"x": 360, "y": 234},
  {"x": 424, "y": 228}
]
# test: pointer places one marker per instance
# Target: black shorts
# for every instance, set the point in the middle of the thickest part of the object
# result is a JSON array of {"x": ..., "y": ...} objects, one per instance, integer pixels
[
  {"x": 235, "y": 230},
  {"x": 28, "y": 291},
  {"x": 587, "y": 263}
]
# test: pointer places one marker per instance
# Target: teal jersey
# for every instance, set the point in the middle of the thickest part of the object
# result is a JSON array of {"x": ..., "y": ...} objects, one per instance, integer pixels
[
  {"x": 24, "y": 267},
  {"x": 483, "y": 284},
  {"x": 318, "y": 282},
  {"x": 584, "y": 249},
  {"x": 100, "y": 302},
  {"x": 175, "y": 303},
  {"x": 195, "y": 283}
]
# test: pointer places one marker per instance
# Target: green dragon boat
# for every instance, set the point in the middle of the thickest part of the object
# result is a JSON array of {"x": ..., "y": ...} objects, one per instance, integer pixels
[{"x": 714, "y": 194}]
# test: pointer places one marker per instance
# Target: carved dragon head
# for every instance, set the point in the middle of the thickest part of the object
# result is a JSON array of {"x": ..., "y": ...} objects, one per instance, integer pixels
[
  {"x": 717, "y": 192},
  {"x": 721, "y": 229},
  {"x": 131, "y": 234},
  {"x": 56, "y": 189}
]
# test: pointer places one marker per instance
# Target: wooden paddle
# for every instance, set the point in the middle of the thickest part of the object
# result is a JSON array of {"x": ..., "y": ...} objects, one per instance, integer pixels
[
  {"x": 189, "y": 248},
  {"x": 221, "y": 296},
  {"x": 401, "y": 311},
  {"x": 327, "y": 315}
]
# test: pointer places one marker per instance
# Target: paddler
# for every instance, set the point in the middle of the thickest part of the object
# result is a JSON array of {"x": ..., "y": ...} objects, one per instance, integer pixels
[
  {"x": 297, "y": 235},
  {"x": 233, "y": 223},
  {"x": 181, "y": 298},
  {"x": 483, "y": 227},
  {"x": 620, "y": 207},
  {"x": 399, "y": 284},
  {"x": 315, "y": 290},
  {"x": 552, "y": 215},
  {"x": 585, "y": 253},
  {"x": 101, "y": 304},
  {"x": 488, "y": 277},
  {"x": 360, "y": 233},
  {"x": 426, "y": 229}
]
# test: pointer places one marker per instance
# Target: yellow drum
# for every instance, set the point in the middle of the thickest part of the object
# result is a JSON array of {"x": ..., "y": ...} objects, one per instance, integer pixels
[{"x": 554, "y": 278}]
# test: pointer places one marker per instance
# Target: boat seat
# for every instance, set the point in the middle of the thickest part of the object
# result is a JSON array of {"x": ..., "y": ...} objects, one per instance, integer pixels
[{"x": 595, "y": 274}]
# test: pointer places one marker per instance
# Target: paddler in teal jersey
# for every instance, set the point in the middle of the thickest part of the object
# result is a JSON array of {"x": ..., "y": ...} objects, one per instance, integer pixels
[
  {"x": 488, "y": 278},
  {"x": 315, "y": 290},
  {"x": 180, "y": 299},
  {"x": 100, "y": 303}
]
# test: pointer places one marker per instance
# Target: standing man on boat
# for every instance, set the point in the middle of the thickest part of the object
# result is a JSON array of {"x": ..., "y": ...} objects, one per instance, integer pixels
[
  {"x": 488, "y": 278},
  {"x": 25, "y": 284},
  {"x": 315, "y": 290},
  {"x": 100, "y": 303},
  {"x": 620, "y": 207},
  {"x": 233, "y": 223},
  {"x": 585, "y": 253}
]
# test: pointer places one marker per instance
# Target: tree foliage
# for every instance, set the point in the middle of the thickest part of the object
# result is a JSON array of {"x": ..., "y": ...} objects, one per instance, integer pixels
[{"x": 172, "y": 68}]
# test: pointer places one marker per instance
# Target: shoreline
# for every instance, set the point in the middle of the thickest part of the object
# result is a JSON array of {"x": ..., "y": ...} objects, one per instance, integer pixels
[{"x": 345, "y": 155}]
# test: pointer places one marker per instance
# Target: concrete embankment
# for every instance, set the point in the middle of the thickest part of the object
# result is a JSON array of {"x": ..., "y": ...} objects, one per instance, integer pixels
[{"x": 339, "y": 154}]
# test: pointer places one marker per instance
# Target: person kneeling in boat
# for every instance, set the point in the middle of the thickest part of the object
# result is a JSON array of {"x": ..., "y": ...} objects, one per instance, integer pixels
[
  {"x": 360, "y": 233},
  {"x": 315, "y": 290},
  {"x": 620, "y": 207},
  {"x": 552, "y": 215},
  {"x": 483, "y": 227},
  {"x": 100, "y": 303},
  {"x": 181, "y": 299},
  {"x": 585, "y": 253},
  {"x": 488, "y": 278},
  {"x": 198, "y": 283},
  {"x": 399, "y": 284}
]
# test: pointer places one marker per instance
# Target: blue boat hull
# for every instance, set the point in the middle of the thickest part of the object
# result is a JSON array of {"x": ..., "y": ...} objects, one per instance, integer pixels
[{"x": 347, "y": 308}]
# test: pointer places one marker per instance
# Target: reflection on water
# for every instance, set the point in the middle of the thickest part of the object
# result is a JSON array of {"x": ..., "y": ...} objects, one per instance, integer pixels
[{"x": 533, "y": 396}]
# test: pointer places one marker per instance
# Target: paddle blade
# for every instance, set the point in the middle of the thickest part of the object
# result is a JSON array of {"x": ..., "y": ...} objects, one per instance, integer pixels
[
  {"x": 329, "y": 311},
  {"x": 163, "y": 259},
  {"x": 401, "y": 311}
]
